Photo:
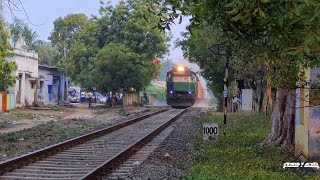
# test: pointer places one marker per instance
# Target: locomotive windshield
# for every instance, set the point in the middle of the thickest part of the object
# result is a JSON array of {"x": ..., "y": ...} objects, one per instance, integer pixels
[{"x": 181, "y": 78}]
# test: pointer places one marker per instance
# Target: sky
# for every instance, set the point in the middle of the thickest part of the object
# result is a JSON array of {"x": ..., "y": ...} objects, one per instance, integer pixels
[{"x": 41, "y": 13}]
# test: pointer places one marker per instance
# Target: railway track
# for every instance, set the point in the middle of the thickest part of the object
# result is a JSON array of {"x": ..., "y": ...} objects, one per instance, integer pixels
[{"x": 87, "y": 156}]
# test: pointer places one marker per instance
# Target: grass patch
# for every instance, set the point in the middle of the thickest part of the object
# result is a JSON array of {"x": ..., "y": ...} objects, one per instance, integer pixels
[
  {"x": 3, "y": 124},
  {"x": 17, "y": 143},
  {"x": 101, "y": 111},
  {"x": 236, "y": 156},
  {"x": 26, "y": 115}
]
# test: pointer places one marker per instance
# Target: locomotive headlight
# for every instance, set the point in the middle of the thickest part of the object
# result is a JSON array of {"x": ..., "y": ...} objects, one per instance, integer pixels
[{"x": 180, "y": 68}]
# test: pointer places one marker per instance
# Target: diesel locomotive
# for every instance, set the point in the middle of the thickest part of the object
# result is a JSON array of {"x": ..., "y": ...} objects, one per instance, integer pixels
[{"x": 183, "y": 87}]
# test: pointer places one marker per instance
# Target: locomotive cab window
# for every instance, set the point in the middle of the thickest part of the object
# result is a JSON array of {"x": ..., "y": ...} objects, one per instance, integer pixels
[{"x": 181, "y": 78}]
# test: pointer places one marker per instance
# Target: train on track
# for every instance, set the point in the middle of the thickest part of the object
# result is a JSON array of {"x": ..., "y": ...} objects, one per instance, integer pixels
[{"x": 183, "y": 87}]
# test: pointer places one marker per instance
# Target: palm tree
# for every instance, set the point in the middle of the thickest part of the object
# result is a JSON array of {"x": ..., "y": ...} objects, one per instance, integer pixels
[
  {"x": 20, "y": 29},
  {"x": 30, "y": 37}
]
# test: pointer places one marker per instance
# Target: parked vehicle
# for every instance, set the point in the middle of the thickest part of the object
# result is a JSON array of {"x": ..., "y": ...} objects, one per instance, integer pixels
[
  {"x": 83, "y": 96},
  {"x": 74, "y": 94},
  {"x": 100, "y": 98}
]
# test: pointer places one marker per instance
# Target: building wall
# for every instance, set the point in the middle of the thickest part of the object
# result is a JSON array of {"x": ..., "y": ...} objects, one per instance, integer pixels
[
  {"x": 27, "y": 69},
  {"x": 34, "y": 80},
  {"x": 246, "y": 99},
  {"x": 307, "y": 118},
  {"x": 314, "y": 118},
  {"x": 54, "y": 80}
]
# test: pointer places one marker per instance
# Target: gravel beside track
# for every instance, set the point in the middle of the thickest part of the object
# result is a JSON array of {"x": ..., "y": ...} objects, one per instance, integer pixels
[{"x": 170, "y": 159}]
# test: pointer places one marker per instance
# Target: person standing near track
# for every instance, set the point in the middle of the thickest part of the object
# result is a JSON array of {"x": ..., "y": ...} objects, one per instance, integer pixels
[
  {"x": 236, "y": 102},
  {"x": 88, "y": 97}
]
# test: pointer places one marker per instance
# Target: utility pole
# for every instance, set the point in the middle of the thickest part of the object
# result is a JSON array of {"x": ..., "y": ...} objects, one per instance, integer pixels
[
  {"x": 225, "y": 93},
  {"x": 219, "y": 50}
]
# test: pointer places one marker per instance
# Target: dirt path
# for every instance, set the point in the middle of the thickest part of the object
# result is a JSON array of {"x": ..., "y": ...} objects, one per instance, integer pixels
[
  {"x": 26, "y": 118},
  {"x": 25, "y": 124},
  {"x": 81, "y": 111}
]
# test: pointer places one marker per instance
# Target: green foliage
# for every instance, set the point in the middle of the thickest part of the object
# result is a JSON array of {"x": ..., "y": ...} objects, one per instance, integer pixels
[
  {"x": 3, "y": 124},
  {"x": 47, "y": 53},
  {"x": 101, "y": 110},
  {"x": 282, "y": 34},
  {"x": 236, "y": 156},
  {"x": 65, "y": 29},
  {"x": 195, "y": 48},
  {"x": 165, "y": 66},
  {"x": 161, "y": 93},
  {"x": 27, "y": 116},
  {"x": 6, "y": 68},
  {"x": 114, "y": 51},
  {"x": 18, "y": 28},
  {"x": 44, "y": 135},
  {"x": 117, "y": 68},
  {"x": 136, "y": 104}
]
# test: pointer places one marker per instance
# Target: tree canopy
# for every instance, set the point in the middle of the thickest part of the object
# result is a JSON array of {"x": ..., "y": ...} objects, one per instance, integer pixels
[
  {"x": 195, "y": 48},
  {"x": 18, "y": 29},
  {"x": 165, "y": 66},
  {"x": 6, "y": 68},
  {"x": 65, "y": 29},
  {"x": 273, "y": 40},
  {"x": 283, "y": 33},
  {"x": 115, "y": 50}
]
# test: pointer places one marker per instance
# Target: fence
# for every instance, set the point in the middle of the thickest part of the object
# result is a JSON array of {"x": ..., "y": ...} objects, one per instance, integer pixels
[
  {"x": 130, "y": 98},
  {"x": 11, "y": 101},
  {"x": 10, "y": 104}
]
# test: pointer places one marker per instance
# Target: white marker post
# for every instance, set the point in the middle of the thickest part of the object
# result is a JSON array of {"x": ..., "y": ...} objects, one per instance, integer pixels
[{"x": 210, "y": 131}]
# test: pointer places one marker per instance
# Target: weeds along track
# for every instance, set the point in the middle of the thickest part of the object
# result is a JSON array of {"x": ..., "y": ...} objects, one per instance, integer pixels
[{"x": 87, "y": 156}]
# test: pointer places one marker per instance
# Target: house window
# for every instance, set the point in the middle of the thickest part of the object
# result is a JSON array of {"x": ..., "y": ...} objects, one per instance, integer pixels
[
  {"x": 41, "y": 87},
  {"x": 50, "y": 92},
  {"x": 32, "y": 85}
]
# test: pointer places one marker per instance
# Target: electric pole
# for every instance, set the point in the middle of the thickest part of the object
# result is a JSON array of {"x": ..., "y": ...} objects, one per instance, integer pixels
[{"x": 219, "y": 50}]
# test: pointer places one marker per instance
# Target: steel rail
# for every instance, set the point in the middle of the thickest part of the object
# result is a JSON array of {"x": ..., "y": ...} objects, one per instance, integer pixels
[
  {"x": 134, "y": 147},
  {"x": 23, "y": 160}
]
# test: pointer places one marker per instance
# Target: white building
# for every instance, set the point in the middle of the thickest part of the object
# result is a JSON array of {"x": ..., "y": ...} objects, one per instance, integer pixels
[
  {"x": 27, "y": 73},
  {"x": 35, "y": 83}
]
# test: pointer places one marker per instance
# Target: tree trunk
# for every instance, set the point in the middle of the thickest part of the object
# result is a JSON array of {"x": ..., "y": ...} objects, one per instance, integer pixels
[
  {"x": 259, "y": 89},
  {"x": 220, "y": 104},
  {"x": 282, "y": 130}
]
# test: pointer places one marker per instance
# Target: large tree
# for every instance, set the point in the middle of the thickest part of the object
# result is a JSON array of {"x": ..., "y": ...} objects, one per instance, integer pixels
[
  {"x": 116, "y": 50},
  {"x": 282, "y": 34},
  {"x": 6, "y": 68},
  {"x": 47, "y": 53},
  {"x": 65, "y": 29}
]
